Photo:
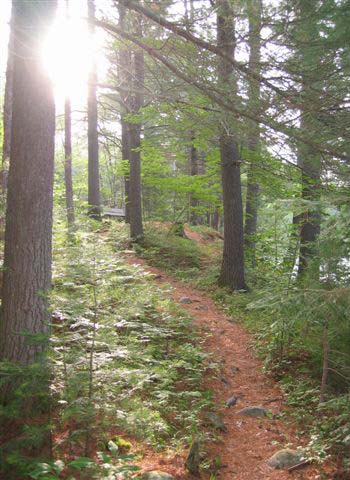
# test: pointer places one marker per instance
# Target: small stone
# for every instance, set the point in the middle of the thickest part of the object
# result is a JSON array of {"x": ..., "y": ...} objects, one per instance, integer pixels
[
  {"x": 231, "y": 402},
  {"x": 156, "y": 475},
  {"x": 226, "y": 382},
  {"x": 254, "y": 412},
  {"x": 185, "y": 300},
  {"x": 82, "y": 323},
  {"x": 216, "y": 421},
  {"x": 58, "y": 317},
  {"x": 193, "y": 459},
  {"x": 286, "y": 458},
  {"x": 204, "y": 308}
]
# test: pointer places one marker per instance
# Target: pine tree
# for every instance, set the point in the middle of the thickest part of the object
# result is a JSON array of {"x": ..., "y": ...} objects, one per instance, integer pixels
[
  {"x": 27, "y": 261},
  {"x": 94, "y": 200},
  {"x": 232, "y": 269}
]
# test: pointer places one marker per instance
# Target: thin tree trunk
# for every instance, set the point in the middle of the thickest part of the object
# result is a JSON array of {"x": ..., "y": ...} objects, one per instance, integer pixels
[
  {"x": 124, "y": 60},
  {"x": 194, "y": 171},
  {"x": 94, "y": 200},
  {"x": 68, "y": 181},
  {"x": 251, "y": 212},
  {"x": 126, "y": 158},
  {"x": 291, "y": 255},
  {"x": 68, "y": 163},
  {"x": 135, "y": 205},
  {"x": 232, "y": 269},
  {"x": 325, "y": 365},
  {"x": 215, "y": 219},
  {"x": 7, "y": 116},
  {"x": 193, "y": 152},
  {"x": 135, "y": 200},
  {"x": 252, "y": 199},
  {"x": 27, "y": 262},
  {"x": 111, "y": 177}
]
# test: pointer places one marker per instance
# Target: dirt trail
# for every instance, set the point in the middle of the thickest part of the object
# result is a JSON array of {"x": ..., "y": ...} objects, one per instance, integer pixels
[{"x": 249, "y": 442}]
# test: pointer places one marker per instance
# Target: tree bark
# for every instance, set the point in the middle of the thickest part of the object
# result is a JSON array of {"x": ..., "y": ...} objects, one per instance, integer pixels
[
  {"x": 310, "y": 161},
  {"x": 68, "y": 162},
  {"x": 232, "y": 269},
  {"x": 215, "y": 218},
  {"x": 193, "y": 152},
  {"x": 135, "y": 205},
  {"x": 27, "y": 261},
  {"x": 252, "y": 199},
  {"x": 7, "y": 115},
  {"x": 325, "y": 363},
  {"x": 68, "y": 181},
  {"x": 124, "y": 76},
  {"x": 94, "y": 200},
  {"x": 134, "y": 129},
  {"x": 126, "y": 158},
  {"x": 194, "y": 171},
  {"x": 310, "y": 220}
]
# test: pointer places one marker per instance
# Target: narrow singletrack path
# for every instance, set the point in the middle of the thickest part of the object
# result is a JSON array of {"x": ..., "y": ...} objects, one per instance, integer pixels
[{"x": 249, "y": 442}]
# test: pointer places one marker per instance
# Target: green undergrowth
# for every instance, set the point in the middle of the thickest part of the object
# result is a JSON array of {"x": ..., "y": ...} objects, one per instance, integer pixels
[
  {"x": 126, "y": 362},
  {"x": 295, "y": 328},
  {"x": 292, "y": 326},
  {"x": 181, "y": 257},
  {"x": 169, "y": 251}
]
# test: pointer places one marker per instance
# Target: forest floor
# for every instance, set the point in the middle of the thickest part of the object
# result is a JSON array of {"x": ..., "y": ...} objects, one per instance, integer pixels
[{"x": 249, "y": 442}]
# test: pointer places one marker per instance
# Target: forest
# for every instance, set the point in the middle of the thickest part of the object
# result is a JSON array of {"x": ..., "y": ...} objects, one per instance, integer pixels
[{"x": 175, "y": 239}]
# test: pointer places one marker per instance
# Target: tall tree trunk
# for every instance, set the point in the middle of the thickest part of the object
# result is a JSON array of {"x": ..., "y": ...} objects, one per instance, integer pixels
[
  {"x": 94, "y": 200},
  {"x": 124, "y": 75},
  {"x": 232, "y": 269},
  {"x": 215, "y": 219},
  {"x": 310, "y": 220},
  {"x": 310, "y": 161},
  {"x": 252, "y": 199},
  {"x": 110, "y": 175},
  {"x": 27, "y": 262},
  {"x": 194, "y": 171},
  {"x": 68, "y": 162},
  {"x": 193, "y": 152},
  {"x": 7, "y": 117},
  {"x": 126, "y": 158},
  {"x": 135, "y": 200},
  {"x": 135, "y": 204},
  {"x": 68, "y": 181}
]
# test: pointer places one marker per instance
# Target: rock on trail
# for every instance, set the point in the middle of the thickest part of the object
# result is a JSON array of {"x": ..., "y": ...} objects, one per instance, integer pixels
[
  {"x": 156, "y": 475},
  {"x": 286, "y": 458},
  {"x": 253, "y": 412},
  {"x": 185, "y": 301}
]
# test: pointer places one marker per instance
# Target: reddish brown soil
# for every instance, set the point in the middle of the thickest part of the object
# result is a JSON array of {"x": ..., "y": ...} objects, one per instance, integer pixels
[
  {"x": 249, "y": 442},
  {"x": 192, "y": 235}
]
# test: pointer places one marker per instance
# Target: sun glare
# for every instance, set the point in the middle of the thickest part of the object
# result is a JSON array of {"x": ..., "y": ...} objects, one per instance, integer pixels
[{"x": 69, "y": 51}]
